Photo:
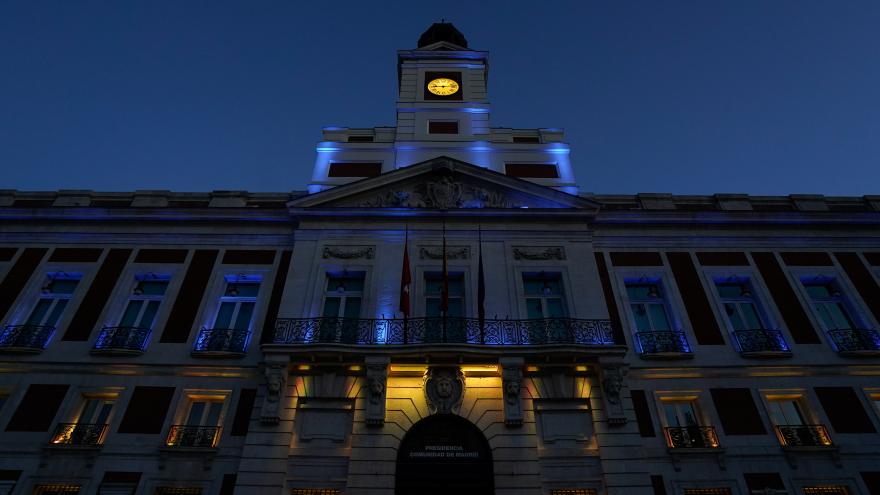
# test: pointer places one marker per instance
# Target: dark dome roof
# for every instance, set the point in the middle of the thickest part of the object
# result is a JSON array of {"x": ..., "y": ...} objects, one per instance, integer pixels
[{"x": 442, "y": 31}]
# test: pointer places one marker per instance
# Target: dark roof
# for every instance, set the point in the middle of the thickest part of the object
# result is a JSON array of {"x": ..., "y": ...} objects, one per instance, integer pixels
[{"x": 442, "y": 31}]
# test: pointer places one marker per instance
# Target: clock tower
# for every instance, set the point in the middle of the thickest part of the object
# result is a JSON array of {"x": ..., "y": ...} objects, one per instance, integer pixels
[
  {"x": 442, "y": 109},
  {"x": 442, "y": 88}
]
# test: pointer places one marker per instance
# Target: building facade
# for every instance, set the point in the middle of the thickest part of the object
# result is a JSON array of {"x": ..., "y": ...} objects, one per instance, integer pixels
[{"x": 441, "y": 310}]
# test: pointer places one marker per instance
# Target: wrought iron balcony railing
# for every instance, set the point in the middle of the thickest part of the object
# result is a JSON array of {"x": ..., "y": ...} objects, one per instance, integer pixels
[
  {"x": 415, "y": 331},
  {"x": 665, "y": 343},
  {"x": 803, "y": 435},
  {"x": 122, "y": 340},
  {"x": 81, "y": 434},
  {"x": 25, "y": 338},
  {"x": 856, "y": 341},
  {"x": 683, "y": 437},
  {"x": 221, "y": 342},
  {"x": 761, "y": 341},
  {"x": 193, "y": 436}
]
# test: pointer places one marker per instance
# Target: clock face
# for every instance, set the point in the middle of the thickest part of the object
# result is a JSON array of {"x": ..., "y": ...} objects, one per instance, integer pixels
[{"x": 443, "y": 86}]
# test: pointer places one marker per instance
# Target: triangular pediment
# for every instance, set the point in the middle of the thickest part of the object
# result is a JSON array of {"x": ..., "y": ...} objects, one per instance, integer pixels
[
  {"x": 442, "y": 46},
  {"x": 444, "y": 184}
]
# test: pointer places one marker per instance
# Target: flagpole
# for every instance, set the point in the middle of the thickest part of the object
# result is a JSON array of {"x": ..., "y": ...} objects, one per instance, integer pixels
[
  {"x": 405, "y": 284},
  {"x": 444, "y": 296},
  {"x": 481, "y": 286}
]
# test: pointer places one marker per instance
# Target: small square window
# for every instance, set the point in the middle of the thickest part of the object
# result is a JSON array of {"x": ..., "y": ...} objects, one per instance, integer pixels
[{"x": 443, "y": 127}]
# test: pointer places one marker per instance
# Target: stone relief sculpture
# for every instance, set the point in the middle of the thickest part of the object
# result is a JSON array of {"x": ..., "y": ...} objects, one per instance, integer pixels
[
  {"x": 613, "y": 381},
  {"x": 511, "y": 383},
  {"x": 442, "y": 193},
  {"x": 276, "y": 379},
  {"x": 539, "y": 254},
  {"x": 436, "y": 253},
  {"x": 444, "y": 389},
  {"x": 349, "y": 252},
  {"x": 377, "y": 378}
]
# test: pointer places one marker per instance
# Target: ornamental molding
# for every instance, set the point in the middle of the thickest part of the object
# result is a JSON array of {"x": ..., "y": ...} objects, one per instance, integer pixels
[
  {"x": 349, "y": 252},
  {"x": 539, "y": 253},
  {"x": 442, "y": 193},
  {"x": 444, "y": 389},
  {"x": 452, "y": 252}
]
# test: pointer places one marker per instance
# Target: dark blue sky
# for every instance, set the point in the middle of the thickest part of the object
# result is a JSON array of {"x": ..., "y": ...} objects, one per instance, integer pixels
[{"x": 763, "y": 97}]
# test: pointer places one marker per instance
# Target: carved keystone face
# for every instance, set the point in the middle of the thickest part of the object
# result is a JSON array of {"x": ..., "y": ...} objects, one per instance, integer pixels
[{"x": 445, "y": 387}]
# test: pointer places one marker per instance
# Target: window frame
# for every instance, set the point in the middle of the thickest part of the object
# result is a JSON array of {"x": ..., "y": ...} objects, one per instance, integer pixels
[
  {"x": 212, "y": 299},
  {"x": 563, "y": 296},
  {"x": 417, "y": 289},
  {"x": 850, "y": 298},
  {"x": 115, "y": 311},
  {"x": 31, "y": 295},
  {"x": 345, "y": 295},
  {"x": 189, "y": 396}
]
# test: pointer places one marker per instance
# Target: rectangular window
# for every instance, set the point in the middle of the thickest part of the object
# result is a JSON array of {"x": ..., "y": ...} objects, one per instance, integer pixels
[
  {"x": 237, "y": 302},
  {"x": 794, "y": 423},
  {"x": 738, "y": 301},
  {"x": 54, "y": 298},
  {"x": 344, "y": 292},
  {"x": 350, "y": 169},
  {"x": 828, "y": 302},
  {"x": 199, "y": 425},
  {"x": 90, "y": 424},
  {"x": 434, "y": 294},
  {"x": 443, "y": 127},
  {"x": 360, "y": 139},
  {"x": 526, "y": 139},
  {"x": 146, "y": 410},
  {"x": 532, "y": 170},
  {"x": 59, "y": 489},
  {"x": 37, "y": 408},
  {"x": 144, "y": 302},
  {"x": 648, "y": 306},
  {"x": 684, "y": 427},
  {"x": 737, "y": 411},
  {"x": 544, "y": 295}
]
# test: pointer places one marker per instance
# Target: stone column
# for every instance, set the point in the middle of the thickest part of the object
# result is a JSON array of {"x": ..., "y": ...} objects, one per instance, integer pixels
[
  {"x": 377, "y": 381},
  {"x": 511, "y": 384}
]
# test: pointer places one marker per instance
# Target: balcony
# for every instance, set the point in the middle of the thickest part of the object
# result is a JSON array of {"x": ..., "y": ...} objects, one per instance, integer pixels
[
  {"x": 430, "y": 331},
  {"x": 25, "y": 338},
  {"x": 856, "y": 342},
  {"x": 193, "y": 437},
  {"x": 221, "y": 342},
  {"x": 761, "y": 343},
  {"x": 663, "y": 345},
  {"x": 79, "y": 434},
  {"x": 692, "y": 437},
  {"x": 803, "y": 436},
  {"x": 129, "y": 341}
]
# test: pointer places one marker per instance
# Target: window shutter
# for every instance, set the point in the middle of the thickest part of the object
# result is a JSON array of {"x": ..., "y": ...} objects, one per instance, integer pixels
[
  {"x": 146, "y": 410},
  {"x": 37, "y": 408},
  {"x": 243, "y": 412},
  {"x": 275, "y": 299},
  {"x": 862, "y": 279},
  {"x": 658, "y": 485},
  {"x": 610, "y": 303},
  {"x": 695, "y": 301},
  {"x": 783, "y": 295},
  {"x": 18, "y": 276},
  {"x": 737, "y": 411},
  {"x": 189, "y": 298},
  {"x": 844, "y": 410},
  {"x": 89, "y": 310},
  {"x": 643, "y": 414},
  {"x": 227, "y": 487}
]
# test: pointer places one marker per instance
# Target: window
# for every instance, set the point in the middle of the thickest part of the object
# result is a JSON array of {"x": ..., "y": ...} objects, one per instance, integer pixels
[
  {"x": 145, "y": 300},
  {"x": 684, "y": 427},
  {"x": 237, "y": 303},
  {"x": 707, "y": 491},
  {"x": 527, "y": 139},
  {"x": 59, "y": 489},
  {"x": 343, "y": 295},
  {"x": 744, "y": 317},
  {"x": 54, "y": 298},
  {"x": 351, "y": 169},
  {"x": 360, "y": 139},
  {"x": 790, "y": 415},
  {"x": 648, "y": 306},
  {"x": 178, "y": 490},
  {"x": 826, "y": 490},
  {"x": 434, "y": 294},
  {"x": 828, "y": 302},
  {"x": 200, "y": 422},
  {"x": 90, "y": 424},
  {"x": 544, "y": 295},
  {"x": 443, "y": 127},
  {"x": 532, "y": 170}
]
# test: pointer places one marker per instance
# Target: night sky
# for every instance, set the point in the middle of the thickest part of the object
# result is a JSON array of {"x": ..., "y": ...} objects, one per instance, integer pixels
[{"x": 760, "y": 97}]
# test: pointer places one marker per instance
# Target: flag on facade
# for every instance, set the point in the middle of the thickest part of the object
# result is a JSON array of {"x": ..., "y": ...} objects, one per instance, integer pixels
[
  {"x": 405, "y": 277},
  {"x": 444, "y": 298}
]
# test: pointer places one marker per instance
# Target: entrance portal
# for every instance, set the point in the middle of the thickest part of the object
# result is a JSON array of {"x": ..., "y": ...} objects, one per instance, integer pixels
[{"x": 444, "y": 454}]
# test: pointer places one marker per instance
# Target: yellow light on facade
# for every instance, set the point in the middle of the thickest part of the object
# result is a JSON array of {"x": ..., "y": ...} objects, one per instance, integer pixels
[
  {"x": 580, "y": 369},
  {"x": 303, "y": 367},
  {"x": 480, "y": 368},
  {"x": 355, "y": 367},
  {"x": 532, "y": 369},
  {"x": 409, "y": 368}
]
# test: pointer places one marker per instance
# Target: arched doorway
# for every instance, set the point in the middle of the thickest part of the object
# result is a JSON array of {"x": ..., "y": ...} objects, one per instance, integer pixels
[{"x": 444, "y": 454}]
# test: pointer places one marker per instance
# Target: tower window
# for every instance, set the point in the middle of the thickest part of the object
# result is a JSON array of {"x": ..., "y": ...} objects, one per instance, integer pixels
[
  {"x": 526, "y": 139},
  {"x": 442, "y": 127},
  {"x": 532, "y": 170},
  {"x": 352, "y": 169}
]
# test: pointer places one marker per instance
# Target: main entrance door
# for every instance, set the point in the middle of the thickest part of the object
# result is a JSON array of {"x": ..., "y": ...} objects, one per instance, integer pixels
[{"x": 444, "y": 454}]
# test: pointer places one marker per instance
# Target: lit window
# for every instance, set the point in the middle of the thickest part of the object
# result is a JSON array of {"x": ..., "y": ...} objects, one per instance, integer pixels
[
  {"x": 544, "y": 295},
  {"x": 54, "y": 298},
  {"x": 684, "y": 428},
  {"x": 707, "y": 491},
  {"x": 56, "y": 489},
  {"x": 237, "y": 302},
  {"x": 201, "y": 421},
  {"x": 144, "y": 302},
  {"x": 826, "y": 490},
  {"x": 90, "y": 424},
  {"x": 434, "y": 294},
  {"x": 648, "y": 306},
  {"x": 790, "y": 415}
]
